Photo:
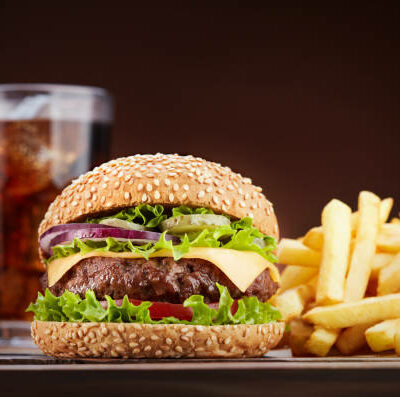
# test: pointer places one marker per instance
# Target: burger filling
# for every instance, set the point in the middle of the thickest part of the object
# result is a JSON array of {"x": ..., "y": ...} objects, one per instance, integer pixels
[{"x": 142, "y": 264}]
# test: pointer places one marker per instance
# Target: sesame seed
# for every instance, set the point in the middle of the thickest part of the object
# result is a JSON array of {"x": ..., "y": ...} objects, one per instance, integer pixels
[
  {"x": 74, "y": 203},
  {"x": 227, "y": 202},
  {"x": 246, "y": 196},
  {"x": 144, "y": 197},
  {"x": 115, "y": 172},
  {"x": 184, "y": 196},
  {"x": 89, "y": 204},
  {"x": 103, "y": 199},
  {"x": 104, "y": 185},
  {"x": 230, "y": 187},
  {"x": 117, "y": 184},
  {"x": 127, "y": 195},
  {"x": 201, "y": 194},
  {"x": 149, "y": 187},
  {"x": 215, "y": 199},
  {"x": 190, "y": 175},
  {"x": 138, "y": 174},
  {"x": 157, "y": 195},
  {"x": 198, "y": 172},
  {"x": 167, "y": 181},
  {"x": 175, "y": 187},
  {"x": 209, "y": 189},
  {"x": 156, "y": 182},
  {"x": 140, "y": 187},
  {"x": 242, "y": 204},
  {"x": 250, "y": 214},
  {"x": 186, "y": 187},
  {"x": 171, "y": 197},
  {"x": 120, "y": 175}
]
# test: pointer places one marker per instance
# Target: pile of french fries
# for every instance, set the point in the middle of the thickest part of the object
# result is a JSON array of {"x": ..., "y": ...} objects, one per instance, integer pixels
[{"x": 341, "y": 284}]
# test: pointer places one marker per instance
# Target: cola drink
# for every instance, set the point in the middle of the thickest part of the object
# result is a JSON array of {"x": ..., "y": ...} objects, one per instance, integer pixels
[{"x": 38, "y": 158}]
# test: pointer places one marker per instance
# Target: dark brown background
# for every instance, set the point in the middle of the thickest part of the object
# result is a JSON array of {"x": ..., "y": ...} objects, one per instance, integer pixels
[{"x": 303, "y": 100}]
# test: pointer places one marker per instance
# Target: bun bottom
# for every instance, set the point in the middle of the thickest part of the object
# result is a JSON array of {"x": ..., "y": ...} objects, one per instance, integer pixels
[{"x": 126, "y": 340}]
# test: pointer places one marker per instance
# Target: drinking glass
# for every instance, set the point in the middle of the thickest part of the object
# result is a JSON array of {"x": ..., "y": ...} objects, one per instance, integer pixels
[{"x": 49, "y": 135}]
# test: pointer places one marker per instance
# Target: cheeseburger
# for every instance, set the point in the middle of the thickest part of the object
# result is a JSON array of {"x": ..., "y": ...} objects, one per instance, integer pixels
[{"x": 158, "y": 256}]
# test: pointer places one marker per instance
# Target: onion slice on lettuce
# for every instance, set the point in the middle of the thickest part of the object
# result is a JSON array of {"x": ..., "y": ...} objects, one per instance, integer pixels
[{"x": 86, "y": 231}]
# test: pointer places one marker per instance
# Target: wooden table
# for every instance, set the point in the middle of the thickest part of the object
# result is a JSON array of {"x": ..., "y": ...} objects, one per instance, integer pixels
[{"x": 278, "y": 374}]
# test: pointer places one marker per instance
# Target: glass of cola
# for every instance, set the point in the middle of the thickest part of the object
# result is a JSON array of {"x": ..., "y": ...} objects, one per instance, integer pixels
[{"x": 49, "y": 135}]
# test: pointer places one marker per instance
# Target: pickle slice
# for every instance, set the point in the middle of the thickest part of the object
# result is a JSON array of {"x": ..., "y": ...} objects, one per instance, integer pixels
[
  {"x": 193, "y": 223},
  {"x": 115, "y": 222}
]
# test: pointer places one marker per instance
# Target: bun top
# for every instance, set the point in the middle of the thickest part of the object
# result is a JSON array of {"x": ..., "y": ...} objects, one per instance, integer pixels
[{"x": 167, "y": 179}]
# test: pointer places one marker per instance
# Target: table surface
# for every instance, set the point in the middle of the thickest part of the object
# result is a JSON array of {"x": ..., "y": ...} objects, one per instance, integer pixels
[{"x": 278, "y": 373}]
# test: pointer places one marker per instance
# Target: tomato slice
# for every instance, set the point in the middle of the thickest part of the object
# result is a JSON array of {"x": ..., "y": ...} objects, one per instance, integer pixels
[{"x": 158, "y": 310}]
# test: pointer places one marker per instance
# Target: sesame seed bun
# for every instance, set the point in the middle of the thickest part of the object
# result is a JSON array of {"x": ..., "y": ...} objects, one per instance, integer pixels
[
  {"x": 122, "y": 340},
  {"x": 170, "y": 180}
]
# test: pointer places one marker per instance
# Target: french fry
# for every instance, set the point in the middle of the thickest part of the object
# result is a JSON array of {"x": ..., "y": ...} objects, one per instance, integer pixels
[
  {"x": 314, "y": 238},
  {"x": 291, "y": 303},
  {"x": 292, "y": 276},
  {"x": 348, "y": 314},
  {"x": 298, "y": 336},
  {"x": 380, "y": 260},
  {"x": 397, "y": 343},
  {"x": 321, "y": 341},
  {"x": 352, "y": 339},
  {"x": 389, "y": 277},
  {"x": 380, "y": 337},
  {"x": 396, "y": 221},
  {"x": 364, "y": 250},
  {"x": 293, "y": 252},
  {"x": 335, "y": 253},
  {"x": 388, "y": 239}
]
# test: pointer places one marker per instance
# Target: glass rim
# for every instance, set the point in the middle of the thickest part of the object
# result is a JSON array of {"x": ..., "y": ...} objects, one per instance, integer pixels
[{"x": 54, "y": 88}]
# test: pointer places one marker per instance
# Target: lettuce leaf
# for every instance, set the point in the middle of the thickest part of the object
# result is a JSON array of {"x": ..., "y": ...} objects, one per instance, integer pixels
[
  {"x": 70, "y": 307},
  {"x": 144, "y": 214}
]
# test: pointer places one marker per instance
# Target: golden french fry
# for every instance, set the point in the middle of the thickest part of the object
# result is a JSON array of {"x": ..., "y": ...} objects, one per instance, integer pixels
[
  {"x": 397, "y": 343},
  {"x": 389, "y": 277},
  {"x": 384, "y": 209},
  {"x": 352, "y": 339},
  {"x": 380, "y": 337},
  {"x": 314, "y": 238},
  {"x": 291, "y": 303},
  {"x": 292, "y": 276},
  {"x": 344, "y": 315},
  {"x": 365, "y": 247},
  {"x": 388, "y": 239},
  {"x": 321, "y": 341},
  {"x": 293, "y": 252},
  {"x": 335, "y": 253},
  {"x": 380, "y": 260},
  {"x": 298, "y": 336}
]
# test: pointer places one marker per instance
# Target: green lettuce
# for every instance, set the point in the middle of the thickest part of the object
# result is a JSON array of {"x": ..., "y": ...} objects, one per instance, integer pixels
[
  {"x": 70, "y": 307},
  {"x": 239, "y": 235},
  {"x": 144, "y": 214}
]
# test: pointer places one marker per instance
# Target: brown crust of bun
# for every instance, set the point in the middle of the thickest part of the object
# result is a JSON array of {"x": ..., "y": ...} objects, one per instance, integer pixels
[
  {"x": 125, "y": 340},
  {"x": 169, "y": 180}
]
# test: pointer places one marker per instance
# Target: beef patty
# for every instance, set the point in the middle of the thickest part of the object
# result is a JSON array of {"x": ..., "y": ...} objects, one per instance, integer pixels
[{"x": 156, "y": 279}]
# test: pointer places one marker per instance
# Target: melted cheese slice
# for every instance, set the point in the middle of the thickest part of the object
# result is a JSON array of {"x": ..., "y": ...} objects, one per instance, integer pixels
[{"x": 241, "y": 267}]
